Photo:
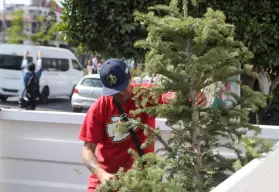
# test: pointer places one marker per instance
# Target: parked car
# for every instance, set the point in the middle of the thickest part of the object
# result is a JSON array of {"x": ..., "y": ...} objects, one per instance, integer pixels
[
  {"x": 61, "y": 70},
  {"x": 142, "y": 80},
  {"x": 86, "y": 92},
  {"x": 146, "y": 79}
]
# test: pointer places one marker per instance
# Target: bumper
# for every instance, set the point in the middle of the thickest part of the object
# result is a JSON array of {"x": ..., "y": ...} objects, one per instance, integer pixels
[
  {"x": 82, "y": 102},
  {"x": 10, "y": 92}
]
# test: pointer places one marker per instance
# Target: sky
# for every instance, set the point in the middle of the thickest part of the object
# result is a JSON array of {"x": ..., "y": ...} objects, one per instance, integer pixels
[{"x": 27, "y": 2}]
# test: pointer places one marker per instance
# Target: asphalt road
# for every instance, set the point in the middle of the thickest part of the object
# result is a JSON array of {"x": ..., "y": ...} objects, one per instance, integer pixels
[{"x": 58, "y": 104}]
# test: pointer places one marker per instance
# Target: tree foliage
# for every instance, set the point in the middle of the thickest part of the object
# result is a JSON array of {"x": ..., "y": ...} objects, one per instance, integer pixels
[
  {"x": 257, "y": 25},
  {"x": 107, "y": 27},
  {"x": 15, "y": 32},
  {"x": 49, "y": 29},
  {"x": 192, "y": 54}
]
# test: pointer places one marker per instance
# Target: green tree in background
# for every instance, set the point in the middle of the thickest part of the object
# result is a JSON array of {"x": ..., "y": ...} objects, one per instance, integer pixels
[
  {"x": 257, "y": 25},
  {"x": 49, "y": 29},
  {"x": 107, "y": 27},
  {"x": 192, "y": 54},
  {"x": 15, "y": 32}
]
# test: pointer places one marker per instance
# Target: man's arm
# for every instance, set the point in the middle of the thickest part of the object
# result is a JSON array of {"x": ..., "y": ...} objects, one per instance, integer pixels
[
  {"x": 201, "y": 98},
  {"x": 24, "y": 61},
  {"x": 91, "y": 162}
]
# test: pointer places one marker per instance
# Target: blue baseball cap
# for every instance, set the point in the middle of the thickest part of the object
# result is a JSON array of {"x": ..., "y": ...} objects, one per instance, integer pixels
[{"x": 115, "y": 76}]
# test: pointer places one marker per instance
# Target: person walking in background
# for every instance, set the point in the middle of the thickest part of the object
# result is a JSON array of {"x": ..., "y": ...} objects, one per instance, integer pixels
[
  {"x": 264, "y": 81},
  {"x": 99, "y": 66},
  {"x": 95, "y": 61},
  {"x": 265, "y": 88},
  {"x": 89, "y": 67}
]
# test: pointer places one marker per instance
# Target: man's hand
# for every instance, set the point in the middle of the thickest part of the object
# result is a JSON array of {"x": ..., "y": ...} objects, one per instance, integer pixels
[
  {"x": 90, "y": 160},
  {"x": 200, "y": 99},
  {"x": 105, "y": 176}
]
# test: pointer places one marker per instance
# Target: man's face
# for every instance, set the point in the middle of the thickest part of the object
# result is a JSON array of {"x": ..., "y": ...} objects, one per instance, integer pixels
[{"x": 125, "y": 95}]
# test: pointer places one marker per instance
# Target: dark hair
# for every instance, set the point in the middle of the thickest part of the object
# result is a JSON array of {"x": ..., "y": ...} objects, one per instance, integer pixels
[{"x": 31, "y": 67}]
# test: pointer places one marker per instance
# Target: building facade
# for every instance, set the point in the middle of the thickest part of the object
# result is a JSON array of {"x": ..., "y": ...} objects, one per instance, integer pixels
[{"x": 31, "y": 13}]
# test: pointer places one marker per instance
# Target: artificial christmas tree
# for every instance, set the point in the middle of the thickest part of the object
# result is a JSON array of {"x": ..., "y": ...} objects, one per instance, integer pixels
[{"x": 192, "y": 54}]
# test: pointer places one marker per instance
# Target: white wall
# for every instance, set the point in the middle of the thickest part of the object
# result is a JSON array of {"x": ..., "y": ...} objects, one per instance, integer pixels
[
  {"x": 41, "y": 156},
  {"x": 257, "y": 176},
  {"x": 40, "y": 151}
]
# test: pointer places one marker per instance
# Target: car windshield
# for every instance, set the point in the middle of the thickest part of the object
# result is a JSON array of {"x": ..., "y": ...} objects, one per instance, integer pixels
[
  {"x": 92, "y": 82},
  {"x": 12, "y": 62}
]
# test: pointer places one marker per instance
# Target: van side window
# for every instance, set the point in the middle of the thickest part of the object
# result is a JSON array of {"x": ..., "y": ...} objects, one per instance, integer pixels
[
  {"x": 76, "y": 65},
  {"x": 63, "y": 64},
  {"x": 53, "y": 64},
  {"x": 12, "y": 62},
  {"x": 29, "y": 59},
  {"x": 48, "y": 64}
]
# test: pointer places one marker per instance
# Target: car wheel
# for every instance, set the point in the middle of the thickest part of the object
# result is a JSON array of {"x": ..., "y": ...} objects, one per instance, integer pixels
[
  {"x": 44, "y": 96},
  {"x": 3, "y": 98},
  {"x": 77, "y": 110}
]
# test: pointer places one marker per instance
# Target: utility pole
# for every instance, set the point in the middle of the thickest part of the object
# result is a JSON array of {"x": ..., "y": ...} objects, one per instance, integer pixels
[{"x": 4, "y": 26}]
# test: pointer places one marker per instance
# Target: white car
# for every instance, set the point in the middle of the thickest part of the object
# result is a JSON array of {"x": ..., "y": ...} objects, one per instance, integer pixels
[
  {"x": 86, "y": 92},
  {"x": 147, "y": 79}
]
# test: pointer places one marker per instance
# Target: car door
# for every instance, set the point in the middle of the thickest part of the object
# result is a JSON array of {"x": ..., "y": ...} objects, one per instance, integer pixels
[
  {"x": 49, "y": 75},
  {"x": 63, "y": 82}
]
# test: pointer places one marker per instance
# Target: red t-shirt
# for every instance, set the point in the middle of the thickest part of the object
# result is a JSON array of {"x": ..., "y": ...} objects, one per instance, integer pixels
[{"x": 112, "y": 150}]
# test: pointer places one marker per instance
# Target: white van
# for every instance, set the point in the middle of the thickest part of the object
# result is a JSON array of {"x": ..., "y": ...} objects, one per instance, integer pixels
[{"x": 61, "y": 70}]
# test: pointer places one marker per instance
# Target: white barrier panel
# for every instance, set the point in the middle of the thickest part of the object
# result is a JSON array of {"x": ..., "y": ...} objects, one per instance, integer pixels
[
  {"x": 40, "y": 150},
  {"x": 257, "y": 176}
]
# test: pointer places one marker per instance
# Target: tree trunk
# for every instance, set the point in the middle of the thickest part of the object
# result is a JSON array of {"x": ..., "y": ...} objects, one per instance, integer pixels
[{"x": 196, "y": 144}]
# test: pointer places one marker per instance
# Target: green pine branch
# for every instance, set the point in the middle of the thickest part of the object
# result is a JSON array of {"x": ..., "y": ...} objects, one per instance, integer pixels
[{"x": 192, "y": 54}]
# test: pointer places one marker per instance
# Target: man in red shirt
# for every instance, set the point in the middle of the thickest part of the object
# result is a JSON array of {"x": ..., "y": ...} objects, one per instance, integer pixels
[{"x": 105, "y": 151}]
